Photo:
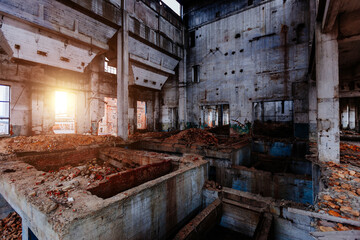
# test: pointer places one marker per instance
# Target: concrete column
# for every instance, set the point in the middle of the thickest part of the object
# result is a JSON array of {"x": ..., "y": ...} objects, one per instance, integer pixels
[
  {"x": 327, "y": 85},
  {"x": 94, "y": 103},
  {"x": 25, "y": 229},
  {"x": 182, "y": 93},
  {"x": 312, "y": 111},
  {"x": 123, "y": 78},
  {"x": 156, "y": 111}
]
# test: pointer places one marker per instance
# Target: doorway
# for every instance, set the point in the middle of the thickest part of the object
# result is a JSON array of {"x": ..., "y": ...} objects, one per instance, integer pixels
[
  {"x": 141, "y": 115},
  {"x": 108, "y": 123},
  {"x": 65, "y": 108}
]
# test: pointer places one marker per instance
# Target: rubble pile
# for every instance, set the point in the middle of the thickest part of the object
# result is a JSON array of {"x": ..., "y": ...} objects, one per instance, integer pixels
[
  {"x": 10, "y": 227},
  {"x": 350, "y": 154},
  {"x": 340, "y": 196},
  {"x": 194, "y": 135},
  {"x": 92, "y": 170},
  {"x": 212, "y": 185},
  {"x": 67, "y": 179},
  {"x": 343, "y": 196},
  {"x": 150, "y": 135},
  {"x": 48, "y": 143}
]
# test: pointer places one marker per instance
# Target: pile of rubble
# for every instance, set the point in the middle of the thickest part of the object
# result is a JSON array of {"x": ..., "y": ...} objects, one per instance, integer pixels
[
  {"x": 150, "y": 135},
  {"x": 212, "y": 185},
  {"x": 194, "y": 135},
  {"x": 342, "y": 195},
  {"x": 48, "y": 143},
  {"x": 10, "y": 227},
  {"x": 66, "y": 180},
  {"x": 350, "y": 154}
]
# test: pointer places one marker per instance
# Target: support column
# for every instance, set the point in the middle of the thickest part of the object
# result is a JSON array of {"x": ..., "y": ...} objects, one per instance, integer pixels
[
  {"x": 94, "y": 104},
  {"x": 312, "y": 111},
  {"x": 123, "y": 77},
  {"x": 156, "y": 111},
  {"x": 327, "y": 83},
  {"x": 25, "y": 229},
  {"x": 182, "y": 93}
]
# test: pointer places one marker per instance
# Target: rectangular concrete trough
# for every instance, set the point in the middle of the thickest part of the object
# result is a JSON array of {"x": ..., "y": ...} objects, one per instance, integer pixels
[
  {"x": 122, "y": 181},
  {"x": 150, "y": 199}
]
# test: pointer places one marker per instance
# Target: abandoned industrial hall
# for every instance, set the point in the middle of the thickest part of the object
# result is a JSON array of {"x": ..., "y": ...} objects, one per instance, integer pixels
[{"x": 180, "y": 119}]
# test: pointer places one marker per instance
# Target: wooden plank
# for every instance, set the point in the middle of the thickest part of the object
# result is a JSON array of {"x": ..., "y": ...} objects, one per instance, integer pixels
[{"x": 325, "y": 217}]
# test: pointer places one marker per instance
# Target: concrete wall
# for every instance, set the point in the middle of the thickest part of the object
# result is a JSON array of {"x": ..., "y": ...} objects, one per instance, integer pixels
[
  {"x": 154, "y": 212},
  {"x": 248, "y": 54},
  {"x": 287, "y": 186},
  {"x": 244, "y": 218}
]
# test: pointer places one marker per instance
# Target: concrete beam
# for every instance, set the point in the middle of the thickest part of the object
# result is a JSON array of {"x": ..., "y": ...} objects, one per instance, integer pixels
[
  {"x": 327, "y": 84},
  {"x": 151, "y": 64}
]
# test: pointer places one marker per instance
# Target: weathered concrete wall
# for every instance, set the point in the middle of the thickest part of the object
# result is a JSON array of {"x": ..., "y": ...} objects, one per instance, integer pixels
[
  {"x": 152, "y": 213},
  {"x": 243, "y": 211},
  {"x": 287, "y": 186},
  {"x": 258, "y": 53}
]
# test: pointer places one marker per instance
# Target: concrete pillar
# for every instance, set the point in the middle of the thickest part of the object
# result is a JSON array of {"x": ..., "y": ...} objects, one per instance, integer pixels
[
  {"x": 182, "y": 93},
  {"x": 25, "y": 229},
  {"x": 327, "y": 83},
  {"x": 157, "y": 111},
  {"x": 123, "y": 78},
  {"x": 95, "y": 101},
  {"x": 312, "y": 111}
]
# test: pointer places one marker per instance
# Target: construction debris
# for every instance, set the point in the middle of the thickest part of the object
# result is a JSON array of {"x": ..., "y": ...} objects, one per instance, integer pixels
[
  {"x": 194, "y": 135},
  {"x": 10, "y": 227},
  {"x": 49, "y": 143}
]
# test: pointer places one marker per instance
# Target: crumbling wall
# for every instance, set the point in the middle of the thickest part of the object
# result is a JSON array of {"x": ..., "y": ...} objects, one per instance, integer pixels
[{"x": 254, "y": 53}]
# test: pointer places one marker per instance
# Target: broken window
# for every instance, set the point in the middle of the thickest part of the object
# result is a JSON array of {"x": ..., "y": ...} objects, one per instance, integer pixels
[
  {"x": 273, "y": 118},
  {"x": 64, "y": 112},
  {"x": 250, "y": 2},
  {"x": 215, "y": 115},
  {"x": 4, "y": 110},
  {"x": 196, "y": 73},
  {"x": 273, "y": 111},
  {"x": 108, "y": 123},
  {"x": 350, "y": 112},
  {"x": 192, "y": 39},
  {"x": 141, "y": 115},
  {"x": 108, "y": 68}
]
